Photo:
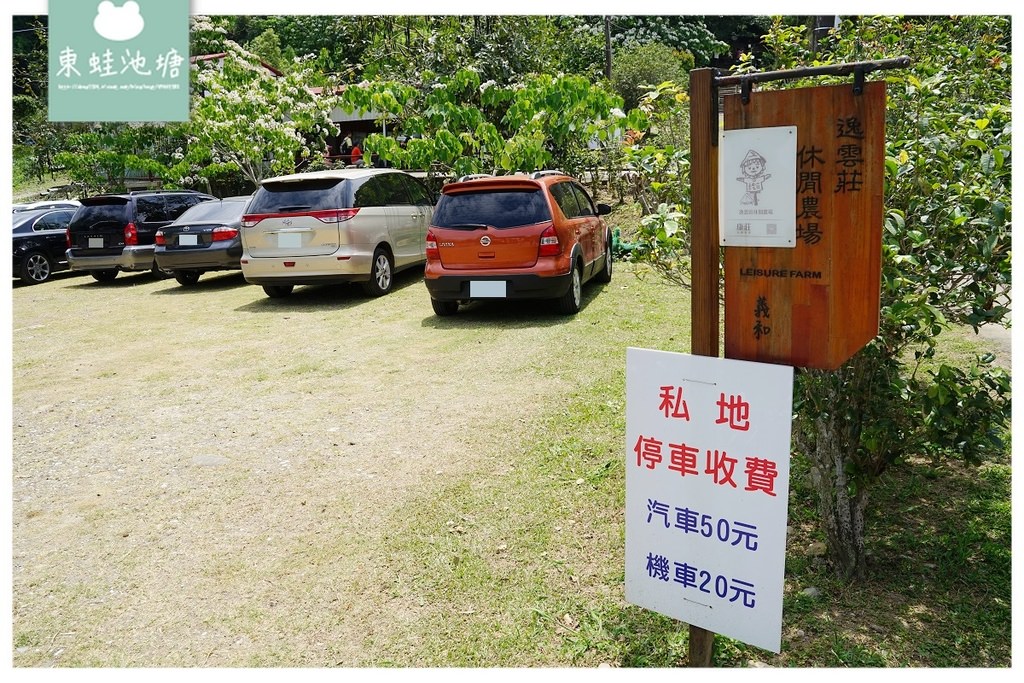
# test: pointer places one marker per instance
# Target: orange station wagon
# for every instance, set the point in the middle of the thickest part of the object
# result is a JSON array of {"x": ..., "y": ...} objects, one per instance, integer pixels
[{"x": 537, "y": 236}]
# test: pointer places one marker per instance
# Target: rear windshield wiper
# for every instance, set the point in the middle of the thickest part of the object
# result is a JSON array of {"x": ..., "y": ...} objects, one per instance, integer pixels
[
  {"x": 467, "y": 226},
  {"x": 290, "y": 209},
  {"x": 99, "y": 225}
]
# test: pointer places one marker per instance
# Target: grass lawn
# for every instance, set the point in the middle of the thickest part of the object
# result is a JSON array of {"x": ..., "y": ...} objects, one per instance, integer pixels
[
  {"x": 511, "y": 556},
  {"x": 514, "y": 579}
]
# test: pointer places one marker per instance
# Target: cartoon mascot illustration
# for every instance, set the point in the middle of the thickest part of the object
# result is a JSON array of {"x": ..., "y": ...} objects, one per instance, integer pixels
[{"x": 753, "y": 177}]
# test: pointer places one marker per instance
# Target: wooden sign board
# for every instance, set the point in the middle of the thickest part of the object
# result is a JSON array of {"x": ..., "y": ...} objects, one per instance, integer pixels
[{"x": 814, "y": 305}]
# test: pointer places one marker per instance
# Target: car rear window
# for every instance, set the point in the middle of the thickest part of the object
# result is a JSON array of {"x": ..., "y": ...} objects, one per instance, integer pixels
[
  {"x": 93, "y": 214},
  {"x": 213, "y": 211},
  {"x": 24, "y": 219},
  {"x": 497, "y": 208},
  {"x": 304, "y": 195},
  {"x": 164, "y": 208}
]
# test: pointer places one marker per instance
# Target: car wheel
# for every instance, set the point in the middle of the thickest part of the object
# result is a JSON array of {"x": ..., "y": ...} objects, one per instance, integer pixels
[
  {"x": 103, "y": 275},
  {"x": 445, "y": 308},
  {"x": 569, "y": 303},
  {"x": 187, "y": 278},
  {"x": 35, "y": 268},
  {"x": 278, "y": 291},
  {"x": 382, "y": 274},
  {"x": 606, "y": 272}
]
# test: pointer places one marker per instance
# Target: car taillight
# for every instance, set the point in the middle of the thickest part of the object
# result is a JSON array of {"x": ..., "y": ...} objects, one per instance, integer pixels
[
  {"x": 67, "y": 236},
  {"x": 160, "y": 239},
  {"x": 334, "y": 216},
  {"x": 224, "y": 233},
  {"x": 549, "y": 245},
  {"x": 432, "y": 250},
  {"x": 131, "y": 235}
]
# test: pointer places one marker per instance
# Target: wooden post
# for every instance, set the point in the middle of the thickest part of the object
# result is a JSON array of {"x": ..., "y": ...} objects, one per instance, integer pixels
[
  {"x": 702, "y": 646},
  {"x": 704, "y": 213},
  {"x": 704, "y": 258}
]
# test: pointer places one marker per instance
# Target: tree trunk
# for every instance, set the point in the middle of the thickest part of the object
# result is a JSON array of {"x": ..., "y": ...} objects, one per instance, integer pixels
[
  {"x": 830, "y": 446},
  {"x": 841, "y": 510}
]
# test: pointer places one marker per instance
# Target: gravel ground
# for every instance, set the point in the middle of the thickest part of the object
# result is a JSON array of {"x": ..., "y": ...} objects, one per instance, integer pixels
[{"x": 200, "y": 474}]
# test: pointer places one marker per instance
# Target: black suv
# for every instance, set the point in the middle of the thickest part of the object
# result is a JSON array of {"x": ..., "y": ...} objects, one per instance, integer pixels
[{"x": 115, "y": 232}]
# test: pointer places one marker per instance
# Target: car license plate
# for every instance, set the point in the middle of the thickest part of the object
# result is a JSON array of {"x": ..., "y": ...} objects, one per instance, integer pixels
[
  {"x": 95, "y": 242},
  {"x": 188, "y": 240},
  {"x": 492, "y": 289},
  {"x": 289, "y": 240}
]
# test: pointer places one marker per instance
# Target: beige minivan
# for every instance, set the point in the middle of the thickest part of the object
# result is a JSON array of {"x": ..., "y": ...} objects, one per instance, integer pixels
[{"x": 345, "y": 225}]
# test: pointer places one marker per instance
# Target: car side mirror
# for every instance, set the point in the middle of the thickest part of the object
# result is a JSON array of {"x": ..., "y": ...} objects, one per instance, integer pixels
[{"x": 603, "y": 209}]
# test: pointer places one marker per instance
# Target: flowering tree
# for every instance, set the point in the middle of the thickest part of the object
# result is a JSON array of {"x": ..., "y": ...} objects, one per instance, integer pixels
[{"x": 247, "y": 119}]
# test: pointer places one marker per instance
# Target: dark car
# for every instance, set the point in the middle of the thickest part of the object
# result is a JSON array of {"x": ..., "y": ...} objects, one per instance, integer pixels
[
  {"x": 204, "y": 238},
  {"x": 40, "y": 240},
  {"x": 48, "y": 204},
  {"x": 116, "y": 232}
]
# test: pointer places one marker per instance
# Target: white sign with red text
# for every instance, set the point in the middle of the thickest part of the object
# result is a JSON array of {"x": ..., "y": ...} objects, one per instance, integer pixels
[{"x": 707, "y": 488}]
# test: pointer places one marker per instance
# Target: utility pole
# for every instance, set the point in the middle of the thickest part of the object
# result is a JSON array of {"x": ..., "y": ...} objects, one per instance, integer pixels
[
  {"x": 820, "y": 26},
  {"x": 608, "y": 47}
]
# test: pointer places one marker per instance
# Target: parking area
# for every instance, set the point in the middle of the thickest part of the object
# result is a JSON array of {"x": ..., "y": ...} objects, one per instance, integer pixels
[{"x": 203, "y": 476}]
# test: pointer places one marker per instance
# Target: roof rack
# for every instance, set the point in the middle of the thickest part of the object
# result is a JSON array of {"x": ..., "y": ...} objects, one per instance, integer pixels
[
  {"x": 474, "y": 176},
  {"x": 134, "y": 192},
  {"x": 546, "y": 172}
]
